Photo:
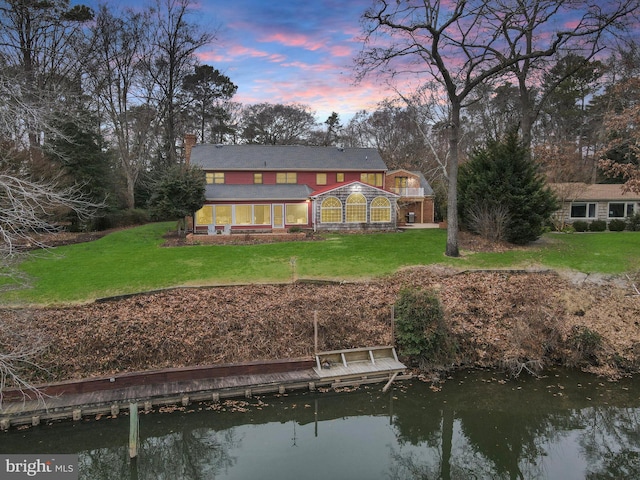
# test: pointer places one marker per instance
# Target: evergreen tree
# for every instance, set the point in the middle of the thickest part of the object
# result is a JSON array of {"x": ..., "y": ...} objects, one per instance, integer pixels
[
  {"x": 178, "y": 194},
  {"x": 502, "y": 182}
]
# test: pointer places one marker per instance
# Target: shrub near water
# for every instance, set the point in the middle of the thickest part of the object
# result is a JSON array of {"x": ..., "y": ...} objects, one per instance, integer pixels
[{"x": 421, "y": 330}]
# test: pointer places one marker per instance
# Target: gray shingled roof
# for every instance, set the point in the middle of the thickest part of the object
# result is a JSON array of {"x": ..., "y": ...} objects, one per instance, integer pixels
[
  {"x": 257, "y": 192},
  {"x": 285, "y": 157}
]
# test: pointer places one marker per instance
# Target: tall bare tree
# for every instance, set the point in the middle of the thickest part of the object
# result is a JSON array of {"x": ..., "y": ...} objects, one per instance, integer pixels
[
  {"x": 38, "y": 44},
  {"x": 467, "y": 43},
  {"x": 174, "y": 41},
  {"x": 27, "y": 209},
  {"x": 115, "y": 77}
]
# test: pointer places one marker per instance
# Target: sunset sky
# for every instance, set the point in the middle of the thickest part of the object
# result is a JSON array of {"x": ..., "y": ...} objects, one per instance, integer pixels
[
  {"x": 292, "y": 51},
  {"x": 286, "y": 51}
]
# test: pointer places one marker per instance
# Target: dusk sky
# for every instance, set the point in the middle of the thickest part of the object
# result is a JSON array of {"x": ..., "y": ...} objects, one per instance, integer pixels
[
  {"x": 292, "y": 51},
  {"x": 287, "y": 51}
]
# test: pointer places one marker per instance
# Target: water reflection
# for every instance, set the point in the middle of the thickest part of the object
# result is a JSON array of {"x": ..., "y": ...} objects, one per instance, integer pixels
[{"x": 567, "y": 425}]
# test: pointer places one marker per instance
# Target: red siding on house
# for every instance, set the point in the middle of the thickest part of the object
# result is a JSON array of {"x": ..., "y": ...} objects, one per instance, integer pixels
[{"x": 234, "y": 177}]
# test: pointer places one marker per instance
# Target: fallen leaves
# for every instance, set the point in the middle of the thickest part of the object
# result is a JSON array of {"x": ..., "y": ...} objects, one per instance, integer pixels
[{"x": 495, "y": 317}]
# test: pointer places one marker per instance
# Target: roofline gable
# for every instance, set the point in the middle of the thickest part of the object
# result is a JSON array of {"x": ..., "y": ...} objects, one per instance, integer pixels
[{"x": 322, "y": 191}]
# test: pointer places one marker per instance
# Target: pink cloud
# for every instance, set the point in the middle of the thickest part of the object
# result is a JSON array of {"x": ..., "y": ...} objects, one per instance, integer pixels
[
  {"x": 293, "y": 40},
  {"x": 340, "y": 51}
]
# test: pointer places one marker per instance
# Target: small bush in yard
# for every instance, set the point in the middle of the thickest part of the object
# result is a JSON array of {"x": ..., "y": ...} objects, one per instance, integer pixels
[
  {"x": 421, "y": 331},
  {"x": 617, "y": 225},
  {"x": 580, "y": 226},
  {"x": 633, "y": 223},
  {"x": 598, "y": 226}
]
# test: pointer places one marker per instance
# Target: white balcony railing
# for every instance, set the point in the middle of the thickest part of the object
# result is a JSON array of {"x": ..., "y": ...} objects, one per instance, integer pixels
[{"x": 408, "y": 192}]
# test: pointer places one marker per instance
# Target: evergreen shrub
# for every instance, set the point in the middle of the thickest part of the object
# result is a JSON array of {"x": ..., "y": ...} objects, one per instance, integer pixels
[
  {"x": 598, "y": 226},
  {"x": 580, "y": 226},
  {"x": 421, "y": 330},
  {"x": 617, "y": 225},
  {"x": 633, "y": 222}
]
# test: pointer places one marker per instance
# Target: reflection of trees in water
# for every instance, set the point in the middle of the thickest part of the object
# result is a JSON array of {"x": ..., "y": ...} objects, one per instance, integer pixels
[
  {"x": 499, "y": 444},
  {"x": 513, "y": 442},
  {"x": 105, "y": 463},
  {"x": 188, "y": 455},
  {"x": 611, "y": 442}
]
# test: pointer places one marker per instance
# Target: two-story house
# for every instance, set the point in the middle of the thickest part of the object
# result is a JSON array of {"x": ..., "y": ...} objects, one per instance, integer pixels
[{"x": 271, "y": 187}]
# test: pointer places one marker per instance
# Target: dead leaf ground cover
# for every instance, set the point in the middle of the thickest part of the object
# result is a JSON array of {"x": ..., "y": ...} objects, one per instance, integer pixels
[{"x": 497, "y": 319}]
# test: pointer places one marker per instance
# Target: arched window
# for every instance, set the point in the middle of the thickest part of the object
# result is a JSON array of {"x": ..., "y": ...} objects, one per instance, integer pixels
[
  {"x": 380, "y": 210},
  {"x": 356, "y": 208},
  {"x": 331, "y": 210}
]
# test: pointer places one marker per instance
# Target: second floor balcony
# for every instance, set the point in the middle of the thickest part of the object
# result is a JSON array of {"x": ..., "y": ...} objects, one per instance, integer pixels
[{"x": 408, "y": 192}]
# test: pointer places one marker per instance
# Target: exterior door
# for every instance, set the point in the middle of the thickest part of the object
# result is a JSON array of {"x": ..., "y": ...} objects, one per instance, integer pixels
[{"x": 278, "y": 216}]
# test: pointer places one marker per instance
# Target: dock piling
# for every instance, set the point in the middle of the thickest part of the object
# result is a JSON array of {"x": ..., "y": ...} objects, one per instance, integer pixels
[{"x": 133, "y": 430}]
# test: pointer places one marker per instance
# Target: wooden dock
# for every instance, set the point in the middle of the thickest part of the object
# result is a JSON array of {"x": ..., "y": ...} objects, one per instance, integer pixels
[
  {"x": 358, "y": 365},
  {"x": 182, "y": 386}
]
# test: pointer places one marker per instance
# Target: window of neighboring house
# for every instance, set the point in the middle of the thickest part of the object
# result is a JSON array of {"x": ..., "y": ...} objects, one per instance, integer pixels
[
  {"x": 204, "y": 216},
  {"x": 380, "y": 209},
  {"x": 356, "y": 210},
  {"x": 583, "y": 210},
  {"x": 296, "y": 213},
  {"x": 286, "y": 177},
  {"x": 620, "y": 210},
  {"x": 257, "y": 178},
  {"x": 262, "y": 214},
  {"x": 331, "y": 210},
  {"x": 321, "y": 178},
  {"x": 339, "y": 177},
  {"x": 223, "y": 214},
  {"x": 371, "y": 178},
  {"x": 215, "y": 177}
]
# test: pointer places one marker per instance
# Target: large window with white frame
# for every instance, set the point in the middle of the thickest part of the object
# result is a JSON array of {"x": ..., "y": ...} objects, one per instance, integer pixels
[
  {"x": 234, "y": 215},
  {"x": 204, "y": 216},
  {"x": 296, "y": 213},
  {"x": 583, "y": 210},
  {"x": 262, "y": 214},
  {"x": 380, "y": 210},
  {"x": 620, "y": 209},
  {"x": 331, "y": 210},
  {"x": 356, "y": 208}
]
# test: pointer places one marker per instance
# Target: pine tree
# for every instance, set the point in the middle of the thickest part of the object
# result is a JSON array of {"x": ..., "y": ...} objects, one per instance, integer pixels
[{"x": 500, "y": 187}]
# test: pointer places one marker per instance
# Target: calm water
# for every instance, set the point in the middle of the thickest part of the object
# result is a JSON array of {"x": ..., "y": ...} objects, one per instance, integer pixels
[{"x": 564, "y": 426}]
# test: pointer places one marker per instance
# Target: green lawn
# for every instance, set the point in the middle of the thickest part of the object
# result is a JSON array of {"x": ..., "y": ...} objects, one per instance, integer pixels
[{"x": 134, "y": 260}]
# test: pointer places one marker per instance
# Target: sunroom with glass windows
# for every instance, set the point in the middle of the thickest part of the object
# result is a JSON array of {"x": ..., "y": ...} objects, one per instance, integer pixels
[{"x": 354, "y": 205}]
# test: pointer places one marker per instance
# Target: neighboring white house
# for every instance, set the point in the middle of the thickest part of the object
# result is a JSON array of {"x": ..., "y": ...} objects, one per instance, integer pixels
[{"x": 588, "y": 202}]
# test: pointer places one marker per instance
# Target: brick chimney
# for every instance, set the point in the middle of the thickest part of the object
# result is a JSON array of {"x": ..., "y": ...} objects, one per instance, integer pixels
[{"x": 189, "y": 142}]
